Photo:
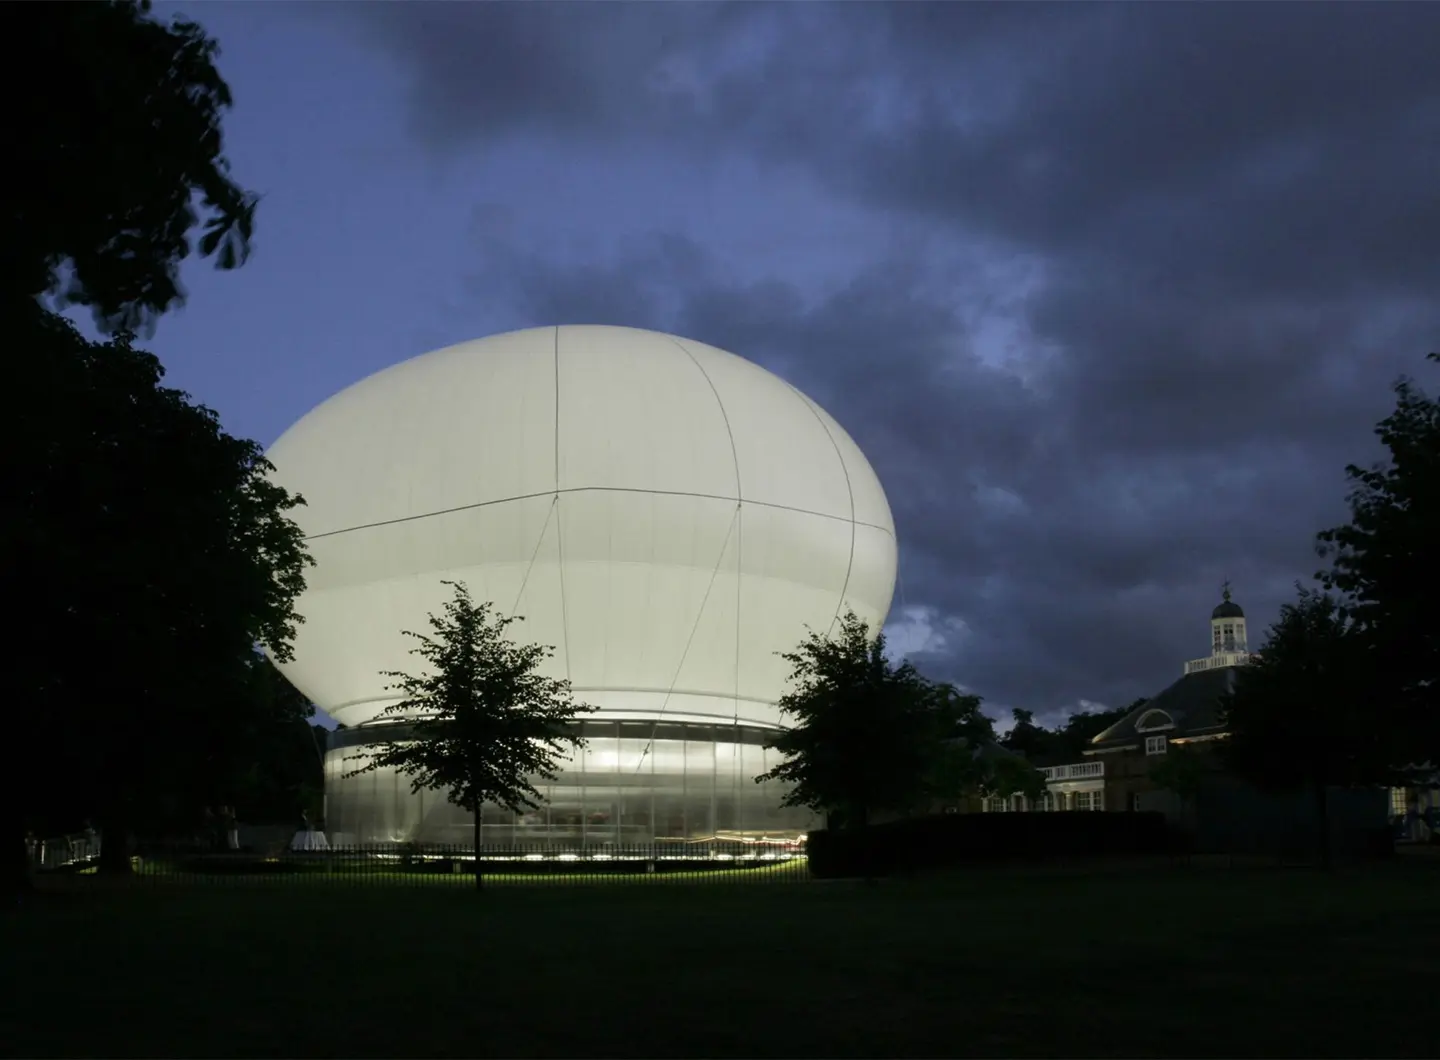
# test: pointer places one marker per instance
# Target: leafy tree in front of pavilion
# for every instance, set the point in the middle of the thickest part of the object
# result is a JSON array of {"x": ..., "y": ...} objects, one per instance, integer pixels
[
  {"x": 967, "y": 760},
  {"x": 148, "y": 552},
  {"x": 117, "y": 159},
  {"x": 1301, "y": 715},
  {"x": 1386, "y": 562},
  {"x": 256, "y": 754},
  {"x": 864, "y": 738},
  {"x": 268, "y": 761},
  {"x": 870, "y": 737},
  {"x": 481, "y": 723}
]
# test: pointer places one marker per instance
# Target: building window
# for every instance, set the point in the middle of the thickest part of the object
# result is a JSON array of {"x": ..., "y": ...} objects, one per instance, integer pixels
[
  {"x": 1397, "y": 802},
  {"x": 1154, "y": 719},
  {"x": 1155, "y": 745}
]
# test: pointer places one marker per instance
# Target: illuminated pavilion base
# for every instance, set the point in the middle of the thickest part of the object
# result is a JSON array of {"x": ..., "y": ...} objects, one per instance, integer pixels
[{"x": 635, "y": 783}]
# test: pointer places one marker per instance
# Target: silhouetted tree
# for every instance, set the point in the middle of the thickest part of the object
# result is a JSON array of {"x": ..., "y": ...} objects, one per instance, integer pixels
[
  {"x": 260, "y": 756},
  {"x": 1083, "y": 726},
  {"x": 267, "y": 761},
  {"x": 968, "y": 760},
  {"x": 1067, "y": 741},
  {"x": 868, "y": 736},
  {"x": 1007, "y": 773},
  {"x": 1300, "y": 716},
  {"x": 1026, "y": 738},
  {"x": 116, "y": 160},
  {"x": 1181, "y": 770},
  {"x": 1387, "y": 564},
  {"x": 482, "y": 723},
  {"x": 148, "y": 553},
  {"x": 145, "y": 551}
]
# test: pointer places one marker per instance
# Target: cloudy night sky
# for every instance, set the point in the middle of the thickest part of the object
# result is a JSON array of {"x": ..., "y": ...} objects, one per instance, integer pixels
[{"x": 1109, "y": 295}]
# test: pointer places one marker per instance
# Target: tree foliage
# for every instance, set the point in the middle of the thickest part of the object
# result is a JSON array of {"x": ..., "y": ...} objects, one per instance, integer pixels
[
  {"x": 1300, "y": 713},
  {"x": 1083, "y": 726},
  {"x": 149, "y": 554},
  {"x": 1007, "y": 773},
  {"x": 1300, "y": 716},
  {"x": 1028, "y": 739},
  {"x": 1181, "y": 769},
  {"x": 864, "y": 733},
  {"x": 1067, "y": 741},
  {"x": 116, "y": 160},
  {"x": 267, "y": 761},
  {"x": 1386, "y": 563},
  {"x": 868, "y": 736},
  {"x": 482, "y": 723},
  {"x": 954, "y": 748}
]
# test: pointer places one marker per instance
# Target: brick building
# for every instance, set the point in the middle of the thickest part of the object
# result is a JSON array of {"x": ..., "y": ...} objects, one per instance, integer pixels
[
  {"x": 1114, "y": 772},
  {"x": 1185, "y": 714}
]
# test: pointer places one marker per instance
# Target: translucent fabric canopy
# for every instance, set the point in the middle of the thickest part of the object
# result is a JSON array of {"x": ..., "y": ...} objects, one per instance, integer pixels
[{"x": 666, "y": 515}]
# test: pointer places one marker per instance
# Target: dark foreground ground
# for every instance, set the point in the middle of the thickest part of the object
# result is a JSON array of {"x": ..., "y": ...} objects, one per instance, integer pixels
[{"x": 1154, "y": 962}]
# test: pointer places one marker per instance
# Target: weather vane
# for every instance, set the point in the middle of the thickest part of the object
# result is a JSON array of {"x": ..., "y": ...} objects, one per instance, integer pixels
[{"x": 1225, "y": 589}]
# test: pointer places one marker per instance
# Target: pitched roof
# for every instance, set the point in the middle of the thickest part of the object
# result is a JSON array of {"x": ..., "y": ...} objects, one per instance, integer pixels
[{"x": 1192, "y": 703}]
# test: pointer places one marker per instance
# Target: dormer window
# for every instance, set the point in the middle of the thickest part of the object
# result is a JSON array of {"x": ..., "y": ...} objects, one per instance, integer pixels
[
  {"x": 1156, "y": 745},
  {"x": 1154, "y": 721}
]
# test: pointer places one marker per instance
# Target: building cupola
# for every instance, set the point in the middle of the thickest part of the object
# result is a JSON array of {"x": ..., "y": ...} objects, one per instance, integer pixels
[
  {"x": 1228, "y": 641},
  {"x": 1227, "y": 625}
]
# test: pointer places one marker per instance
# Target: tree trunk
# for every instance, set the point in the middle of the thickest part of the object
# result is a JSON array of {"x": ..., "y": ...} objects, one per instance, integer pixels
[
  {"x": 479, "y": 875},
  {"x": 114, "y": 825},
  {"x": 114, "y": 849},
  {"x": 17, "y": 862},
  {"x": 859, "y": 820},
  {"x": 1322, "y": 823}
]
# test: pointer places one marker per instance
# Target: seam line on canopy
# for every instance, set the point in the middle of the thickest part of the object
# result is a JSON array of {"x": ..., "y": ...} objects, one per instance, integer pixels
[
  {"x": 590, "y": 489},
  {"x": 849, "y": 489}
]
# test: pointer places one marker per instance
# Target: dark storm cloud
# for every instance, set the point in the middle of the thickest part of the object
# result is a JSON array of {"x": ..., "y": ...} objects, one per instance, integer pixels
[
  {"x": 1308, "y": 134},
  {"x": 1234, "y": 204},
  {"x": 578, "y": 69},
  {"x": 1232, "y": 214},
  {"x": 1078, "y": 576}
]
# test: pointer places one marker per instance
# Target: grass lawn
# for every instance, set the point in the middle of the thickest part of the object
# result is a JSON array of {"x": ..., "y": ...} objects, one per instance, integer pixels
[{"x": 1155, "y": 962}]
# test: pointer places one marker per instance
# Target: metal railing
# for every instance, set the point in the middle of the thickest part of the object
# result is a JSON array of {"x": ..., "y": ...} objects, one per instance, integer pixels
[
  {"x": 63, "y": 852},
  {"x": 436, "y": 865},
  {"x": 1230, "y": 657},
  {"x": 1075, "y": 771}
]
